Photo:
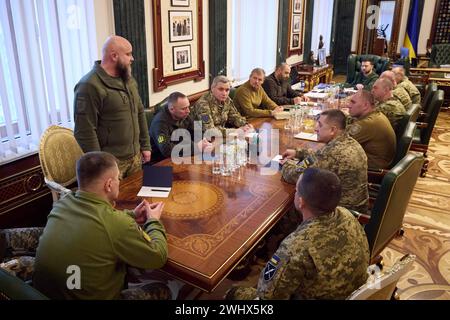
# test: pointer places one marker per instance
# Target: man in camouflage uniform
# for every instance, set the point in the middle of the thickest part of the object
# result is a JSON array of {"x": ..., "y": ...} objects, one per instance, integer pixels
[
  {"x": 387, "y": 104},
  {"x": 404, "y": 82},
  {"x": 216, "y": 110},
  {"x": 372, "y": 130},
  {"x": 326, "y": 257},
  {"x": 85, "y": 231},
  {"x": 398, "y": 92},
  {"x": 176, "y": 115},
  {"x": 342, "y": 155}
]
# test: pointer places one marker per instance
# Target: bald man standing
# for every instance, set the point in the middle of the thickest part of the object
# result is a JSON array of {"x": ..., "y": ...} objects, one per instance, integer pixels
[{"x": 108, "y": 111}]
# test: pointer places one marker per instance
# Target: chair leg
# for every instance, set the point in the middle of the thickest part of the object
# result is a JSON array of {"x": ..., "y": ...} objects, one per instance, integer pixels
[
  {"x": 424, "y": 170},
  {"x": 400, "y": 232},
  {"x": 395, "y": 295}
]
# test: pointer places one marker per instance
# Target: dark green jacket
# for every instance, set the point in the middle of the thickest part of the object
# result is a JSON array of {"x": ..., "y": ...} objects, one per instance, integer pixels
[
  {"x": 109, "y": 115},
  {"x": 367, "y": 82},
  {"x": 161, "y": 129},
  {"x": 279, "y": 91},
  {"x": 86, "y": 231}
]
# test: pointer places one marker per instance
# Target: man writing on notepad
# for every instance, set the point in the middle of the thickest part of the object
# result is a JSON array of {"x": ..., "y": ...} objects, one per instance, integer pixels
[{"x": 342, "y": 155}]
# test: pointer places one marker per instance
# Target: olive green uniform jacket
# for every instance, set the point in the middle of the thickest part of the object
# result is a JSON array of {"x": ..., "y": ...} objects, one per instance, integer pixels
[
  {"x": 109, "y": 115},
  {"x": 86, "y": 232},
  {"x": 367, "y": 82}
]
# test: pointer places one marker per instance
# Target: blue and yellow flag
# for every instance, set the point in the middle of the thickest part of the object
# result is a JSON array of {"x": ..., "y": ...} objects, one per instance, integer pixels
[{"x": 412, "y": 31}]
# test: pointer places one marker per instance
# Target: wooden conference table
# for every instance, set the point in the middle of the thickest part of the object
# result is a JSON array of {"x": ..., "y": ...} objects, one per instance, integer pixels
[{"x": 212, "y": 221}]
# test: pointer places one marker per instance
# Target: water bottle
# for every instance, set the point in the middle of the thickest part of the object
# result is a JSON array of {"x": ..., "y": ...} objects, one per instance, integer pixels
[
  {"x": 242, "y": 152},
  {"x": 227, "y": 163}
]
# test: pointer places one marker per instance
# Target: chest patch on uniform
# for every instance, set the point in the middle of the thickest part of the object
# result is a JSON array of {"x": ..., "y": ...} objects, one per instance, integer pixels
[
  {"x": 271, "y": 267},
  {"x": 304, "y": 164},
  {"x": 354, "y": 129},
  {"x": 161, "y": 139},
  {"x": 205, "y": 118}
]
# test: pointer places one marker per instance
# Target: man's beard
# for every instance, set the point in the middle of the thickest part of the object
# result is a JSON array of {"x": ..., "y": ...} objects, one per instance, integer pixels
[{"x": 124, "y": 71}]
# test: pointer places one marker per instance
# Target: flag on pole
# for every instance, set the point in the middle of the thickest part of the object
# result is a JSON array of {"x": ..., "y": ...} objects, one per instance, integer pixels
[{"x": 412, "y": 30}]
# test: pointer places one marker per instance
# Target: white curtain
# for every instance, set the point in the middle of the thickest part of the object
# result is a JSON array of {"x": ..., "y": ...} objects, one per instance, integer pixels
[
  {"x": 322, "y": 22},
  {"x": 254, "y": 37},
  {"x": 45, "y": 48}
]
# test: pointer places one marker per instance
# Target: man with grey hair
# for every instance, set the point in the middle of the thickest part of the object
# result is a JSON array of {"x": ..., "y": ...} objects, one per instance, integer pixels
[
  {"x": 278, "y": 86},
  {"x": 251, "y": 99},
  {"x": 404, "y": 82},
  {"x": 215, "y": 109}
]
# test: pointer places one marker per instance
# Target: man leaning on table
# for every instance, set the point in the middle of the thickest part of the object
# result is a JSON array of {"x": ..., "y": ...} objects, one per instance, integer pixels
[
  {"x": 251, "y": 99},
  {"x": 278, "y": 86}
]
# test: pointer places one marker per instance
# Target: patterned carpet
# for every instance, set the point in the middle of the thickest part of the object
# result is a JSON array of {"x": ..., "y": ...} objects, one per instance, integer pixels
[{"x": 427, "y": 231}]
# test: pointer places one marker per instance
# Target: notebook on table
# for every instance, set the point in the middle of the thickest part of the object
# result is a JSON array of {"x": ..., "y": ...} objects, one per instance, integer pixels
[
  {"x": 306, "y": 136},
  {"x": 156, "y": 182}
]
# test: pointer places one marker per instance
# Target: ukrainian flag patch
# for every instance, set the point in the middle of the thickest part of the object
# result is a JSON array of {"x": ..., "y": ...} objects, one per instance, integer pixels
[{"x": 271, "y": 267}]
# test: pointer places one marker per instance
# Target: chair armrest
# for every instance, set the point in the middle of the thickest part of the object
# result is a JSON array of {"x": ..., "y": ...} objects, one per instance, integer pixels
[
  {"x": 421, "y": 125},
  {"x": 362, "y": 218},
  {"x": 54, "y": 186},
  {"x": 376, "y": 175}
]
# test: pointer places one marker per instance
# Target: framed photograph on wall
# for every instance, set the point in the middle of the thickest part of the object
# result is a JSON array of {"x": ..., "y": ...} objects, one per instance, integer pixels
[
  {"x": 178, "y": 50},
  {"x": 180, "y": 26},
  {"x": 297, "y": 6},
  {"x": 182, "y": 58},
  {"x": 179, "y": 3},
  {"x": 296, "y": 23},
  {"x": 295, "y": 41}
]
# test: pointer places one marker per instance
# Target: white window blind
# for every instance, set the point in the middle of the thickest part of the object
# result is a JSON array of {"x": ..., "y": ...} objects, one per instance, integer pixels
[
  {"x": 45, "y": 48},
  {"x": 254, "y": 37},
  {"x": 322, "y": 23}
]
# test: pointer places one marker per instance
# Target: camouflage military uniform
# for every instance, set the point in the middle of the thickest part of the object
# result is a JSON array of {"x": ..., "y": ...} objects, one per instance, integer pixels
[
  {"x": 402, "y": 95},
  {"x": 130, "y": 166},
  {"x": 367, "y": 81},
  {"x": 411, "y": 89},
  {"x": 375, "y": 134},
  {"x": 325, "y": 258},
  {"x": 343, "y": 156},
  {"x": 393, "y": 110},
  {"x": 17, "y": 250},
  {"x": 214, "y": 114}
]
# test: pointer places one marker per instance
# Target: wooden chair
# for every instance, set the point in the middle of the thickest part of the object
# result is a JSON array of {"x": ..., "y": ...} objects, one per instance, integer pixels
[
  {"x": 58, "y": 154},
  {"x": 382, "y": 285}
]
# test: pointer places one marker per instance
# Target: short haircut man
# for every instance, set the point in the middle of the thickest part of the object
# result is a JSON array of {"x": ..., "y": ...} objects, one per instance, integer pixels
[
  {"x": 92, "y": 165},
  {"x": 278, "y": 86},
  {"x": 337, "y": 117},
  {"x": 173, "y": 98}
]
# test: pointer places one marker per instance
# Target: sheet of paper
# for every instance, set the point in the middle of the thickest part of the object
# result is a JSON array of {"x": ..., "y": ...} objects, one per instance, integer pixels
[
  {"x": 277, "y": 158},
  {"x": 153, "y": 192},
  {"x": 306, "y": 136}
]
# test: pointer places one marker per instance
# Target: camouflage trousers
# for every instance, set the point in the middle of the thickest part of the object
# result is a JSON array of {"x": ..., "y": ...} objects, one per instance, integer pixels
[
  {"x": 130, "y": 166},
  {"x": 152, "y": 290},
  {"x": 241, "y": 293}
]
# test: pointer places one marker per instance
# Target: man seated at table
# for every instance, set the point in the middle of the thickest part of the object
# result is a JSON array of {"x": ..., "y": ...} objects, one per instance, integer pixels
[
  {"x": 366, "y": 77},
  {"x": 398, "y": 92},
  {"x": 87, "y": 244},
  {"x": 216, "y": 110},
  {"x": 176, "y": 115},
  {"x": 372, "y": 130},
  {"x": 278, "y": 86},
  {"x": 251, "y": 99},
  {"x": 404, "y": 82},
  {"x": 326, "y": 257},
  {"x": 342, "y": 155},
  {"x": 386, "y": 103}
]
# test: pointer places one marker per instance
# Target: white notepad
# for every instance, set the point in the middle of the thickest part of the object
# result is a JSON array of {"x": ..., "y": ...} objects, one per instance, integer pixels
[
  {"x": 306, "y": 136},
  {"x": 148, "y": 192}
]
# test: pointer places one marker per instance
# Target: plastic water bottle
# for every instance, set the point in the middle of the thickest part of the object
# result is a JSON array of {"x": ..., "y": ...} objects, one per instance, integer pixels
[{"x": 242, "y": 152}]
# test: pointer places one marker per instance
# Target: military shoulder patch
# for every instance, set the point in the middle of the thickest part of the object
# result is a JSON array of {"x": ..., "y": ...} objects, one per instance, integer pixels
[
  {"x": 145, "y": 234},
  {"x": 205, "y": 118},
  {"x": 271, "y": 267},
  {"x": 161, "y": 139},
  {"x": 354, "y": 129}
]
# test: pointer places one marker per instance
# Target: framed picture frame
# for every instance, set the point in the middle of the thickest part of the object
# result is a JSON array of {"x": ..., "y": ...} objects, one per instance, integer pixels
[
  {"x": 295, "y": 41},
  {"x": 296, "y": 23},
  {"x": 182, "y": 58},
  {"x": 180, "y": 26},
  {"x": 179, "y": 3},
  {"x": 297, "y": 6},
  {"x": 167, "y": 43},
  {"x": 322, "y": 57}
]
